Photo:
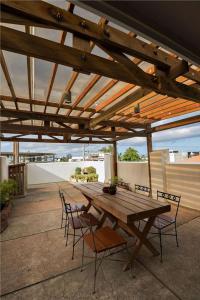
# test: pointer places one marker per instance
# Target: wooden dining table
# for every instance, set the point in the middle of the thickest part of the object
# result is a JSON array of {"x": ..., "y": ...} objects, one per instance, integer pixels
[{"x": 124, "y": 209}]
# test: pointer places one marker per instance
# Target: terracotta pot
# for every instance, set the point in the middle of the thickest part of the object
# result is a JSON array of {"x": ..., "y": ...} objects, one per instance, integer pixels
[{"x": 4, "y": 215}]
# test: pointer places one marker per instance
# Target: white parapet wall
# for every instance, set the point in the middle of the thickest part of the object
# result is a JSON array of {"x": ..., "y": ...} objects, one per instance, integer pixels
[
  {"x": 184, "y": 179},
  {"x": 133, "y": 173},
  {"x": 59, "y": 171}
]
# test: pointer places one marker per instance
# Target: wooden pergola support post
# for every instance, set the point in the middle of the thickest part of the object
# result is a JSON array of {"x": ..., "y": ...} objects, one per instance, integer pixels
[
  {"x": 114, "y": 158},
  {"x": 15, "y": 152},
  {"x": 149, "y": 150}
]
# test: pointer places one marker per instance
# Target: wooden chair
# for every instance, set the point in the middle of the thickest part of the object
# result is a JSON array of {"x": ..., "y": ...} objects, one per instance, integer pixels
[
  {"x": 100, "y": 241},
  {"x": 74, "y": 208},
  {"x": 72, "y": 221},
  {"x": 142, "y": 188},
  {"x": 163, "y": 221}
]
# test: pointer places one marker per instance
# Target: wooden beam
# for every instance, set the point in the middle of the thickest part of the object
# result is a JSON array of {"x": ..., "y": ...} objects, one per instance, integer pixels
[
  {"x": 149, "y": 150},
  {"x": 34, "y": 140},
  {"x": 58, "y": 131},
  {"x": 138, "y": 93},
  {"x": 42, "y": 103},
  {"x": 114, "y": 153},
  {"x": 60, "y": 119},
  {"x": 104, "y": 90},
  {"x": 140, "y": 77},
  {"x": 45, "y": 49},
  {"x": 8, "y": 79},
  {"x": 29, "y": 70},
  {"x": 74, "y": 75},
  {"x": 178, "y": 69},
  {"x": 70, "y": 8},
  {"x": 44, "y": 14},
  {"x": 175, "y": 124}
]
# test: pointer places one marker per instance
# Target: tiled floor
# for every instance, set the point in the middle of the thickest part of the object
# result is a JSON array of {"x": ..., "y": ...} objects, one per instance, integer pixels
[{"x": 35, "y": 264}]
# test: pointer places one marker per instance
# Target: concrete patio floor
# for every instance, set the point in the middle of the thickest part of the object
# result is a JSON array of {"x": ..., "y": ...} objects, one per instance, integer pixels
[{"x": 35, "y": 264}]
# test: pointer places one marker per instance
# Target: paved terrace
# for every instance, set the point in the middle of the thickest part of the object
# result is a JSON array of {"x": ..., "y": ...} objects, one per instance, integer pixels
[{"x": 37, "y": 265}]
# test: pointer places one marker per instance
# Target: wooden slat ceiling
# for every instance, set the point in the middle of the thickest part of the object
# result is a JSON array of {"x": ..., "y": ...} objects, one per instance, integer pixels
[{"x": 102, "y": 108}]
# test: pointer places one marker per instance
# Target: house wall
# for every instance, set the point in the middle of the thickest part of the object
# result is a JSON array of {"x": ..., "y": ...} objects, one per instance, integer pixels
[
  {"x": 176, "y": 178},
  {"x": 59, "y": 171},
  {"x": 133, "y": 173}
]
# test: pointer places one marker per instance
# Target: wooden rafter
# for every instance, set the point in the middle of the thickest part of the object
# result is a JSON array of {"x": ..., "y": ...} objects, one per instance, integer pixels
[
  {"x": 95, "y": 79},
  {"x": 70, "y": 8},
  {"x": 53, "y": 141},
  {"x": 65, "y": 55},
  {"x": 8, "y": 79},
  {"x": 58, "y": 131},
  {"x": 26, "y": 115},
  {"x": 42, "y": 103},
  {"x": 187, "y": 121},
  {"x": 29, "y": 71},
  {"x": 41, "y": 13}
]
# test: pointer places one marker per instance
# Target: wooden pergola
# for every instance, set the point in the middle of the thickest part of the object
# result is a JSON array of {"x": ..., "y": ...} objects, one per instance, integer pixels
[{"x": 130, "y": 83}]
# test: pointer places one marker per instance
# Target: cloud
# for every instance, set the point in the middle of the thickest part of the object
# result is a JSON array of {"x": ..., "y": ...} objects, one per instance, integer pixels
[{"x": 168, "y": 135}]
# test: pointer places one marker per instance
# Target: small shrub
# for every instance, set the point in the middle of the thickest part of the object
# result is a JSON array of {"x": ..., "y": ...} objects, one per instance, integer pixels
[
  {"x": 7, "y": 189},
  {"x": 91, "y": 170},
  {"x": 92, "y": 177},
  {"x": 78, "y": 170}
]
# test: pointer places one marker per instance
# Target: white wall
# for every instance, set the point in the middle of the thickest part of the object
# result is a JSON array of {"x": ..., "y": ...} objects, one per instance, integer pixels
[
  {"x": 59, "y": 171},
  {"x": 133, "y": 173},
  {"x": 184, "y": 180},
  {"x": 3, "y": 168}
]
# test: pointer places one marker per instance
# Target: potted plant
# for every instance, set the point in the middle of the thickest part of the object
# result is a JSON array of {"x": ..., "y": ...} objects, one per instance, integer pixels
[
  {"x": 7, "y": 189},
  {"x": 112, "y": 188}
]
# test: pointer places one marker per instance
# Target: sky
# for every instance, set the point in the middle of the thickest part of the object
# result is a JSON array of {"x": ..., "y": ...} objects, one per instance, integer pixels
[{"x": 184, "y": 139}]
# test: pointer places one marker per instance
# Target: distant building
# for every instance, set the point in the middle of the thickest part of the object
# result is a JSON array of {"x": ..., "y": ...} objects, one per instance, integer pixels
[
  {"x": 90, "y": 156},
  {"x": 28, "y": 157},
  {"x": 176, "y": 156}
]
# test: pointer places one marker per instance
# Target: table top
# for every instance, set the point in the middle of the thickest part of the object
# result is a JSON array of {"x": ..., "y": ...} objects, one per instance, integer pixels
[{"x": 125, "y": 205}]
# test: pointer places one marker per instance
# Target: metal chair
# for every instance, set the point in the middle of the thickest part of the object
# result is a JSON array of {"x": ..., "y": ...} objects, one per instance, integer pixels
[
  {"x": 163, "y": 221},
  {"x": 142, "y": 188},
  {"x": 100, "y": 241},
  {"x": 72, "y": 220},
  {"x": 74, "y": 208}
]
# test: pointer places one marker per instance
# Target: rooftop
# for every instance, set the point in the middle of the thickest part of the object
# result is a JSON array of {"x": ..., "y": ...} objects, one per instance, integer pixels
[{"x": 36, "y": 264}]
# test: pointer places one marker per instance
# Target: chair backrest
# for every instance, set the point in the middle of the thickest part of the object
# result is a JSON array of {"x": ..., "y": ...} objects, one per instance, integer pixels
[
  {"x": 87, "y": 223},
  {"x": 142, "y": 188},
  {"x": 170, "y": 197},
  {"x": 62, "y": 198}
]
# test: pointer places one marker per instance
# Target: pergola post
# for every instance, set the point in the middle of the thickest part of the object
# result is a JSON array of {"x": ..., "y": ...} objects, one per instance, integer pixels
[
  {"x": 114, "y": 158},
  {"x": 149, "y": 150},
  {"x": 15, "y": 152}
]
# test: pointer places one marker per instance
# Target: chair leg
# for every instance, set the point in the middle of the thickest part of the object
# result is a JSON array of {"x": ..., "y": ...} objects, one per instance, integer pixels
[
  {"x": 177, "y": 244},
  {"x": 73, "y": 245},
  {"x": 61, "y": 221},
  {"x": 83, "y": 251},
  {"x": 66, "y": 222},
  {"x": 67, "y": 233},
  {"x": 95, "y": 273},
  {"x": 160, "y": 238}
]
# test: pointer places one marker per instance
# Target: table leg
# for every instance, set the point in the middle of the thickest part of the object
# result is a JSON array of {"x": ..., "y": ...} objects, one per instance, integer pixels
[{"x": 142, "y": 238}]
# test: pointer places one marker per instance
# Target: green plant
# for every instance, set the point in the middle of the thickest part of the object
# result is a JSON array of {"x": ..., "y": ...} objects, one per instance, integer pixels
[
  {"x": 90, "y": 170},
  {"x": 7, "y": 189},
  {"x": 92, "y": 177},
  {"x": 78, "y": 170},
  {"x": 114, "y": 181},
  {"x": 131, "y": 155}
]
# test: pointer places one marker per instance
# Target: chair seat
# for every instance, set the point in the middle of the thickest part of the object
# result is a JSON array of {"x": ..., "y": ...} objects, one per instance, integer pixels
[
  {"x": 103, "y": 239},
  {"x": 163, "y": 221},
  {"x": 79, "y": 222},
  {"x": 76, "y": 208}
]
